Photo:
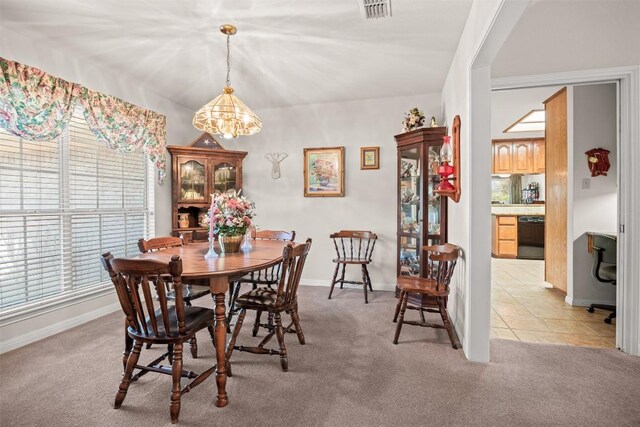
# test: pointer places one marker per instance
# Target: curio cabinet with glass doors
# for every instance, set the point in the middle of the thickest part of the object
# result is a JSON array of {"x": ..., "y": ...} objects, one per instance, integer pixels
[{"x": 422, "y": 214}]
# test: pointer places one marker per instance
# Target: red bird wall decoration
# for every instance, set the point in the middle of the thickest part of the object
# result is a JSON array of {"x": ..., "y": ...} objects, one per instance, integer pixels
[{"x": 598, "y": 160}]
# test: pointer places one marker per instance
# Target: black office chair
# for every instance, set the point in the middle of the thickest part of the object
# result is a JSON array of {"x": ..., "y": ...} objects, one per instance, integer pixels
[{"x": 604, "y": 268}]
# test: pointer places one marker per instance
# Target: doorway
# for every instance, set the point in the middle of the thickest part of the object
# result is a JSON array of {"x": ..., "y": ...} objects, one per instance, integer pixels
[{"x": 559, "y": 205}]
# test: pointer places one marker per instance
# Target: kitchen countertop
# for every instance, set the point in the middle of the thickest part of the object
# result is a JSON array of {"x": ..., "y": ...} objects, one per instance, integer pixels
[{"x": 515, "y": 210}]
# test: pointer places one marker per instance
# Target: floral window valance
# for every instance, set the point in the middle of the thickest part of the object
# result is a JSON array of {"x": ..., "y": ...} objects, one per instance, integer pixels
[{"x": 37, "y": 106}]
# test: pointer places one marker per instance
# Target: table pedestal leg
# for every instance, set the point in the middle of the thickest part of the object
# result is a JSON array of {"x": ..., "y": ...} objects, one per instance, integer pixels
[{"x": 221, "y": 340}]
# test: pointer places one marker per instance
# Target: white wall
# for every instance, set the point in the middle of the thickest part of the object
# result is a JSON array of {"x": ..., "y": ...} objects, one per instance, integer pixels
[
  {"x": 370, "y": 195},
  {"x": 469, "y": 302},
  {"x": 16, "y": 47},
  {"x": 596, "y": 208}
]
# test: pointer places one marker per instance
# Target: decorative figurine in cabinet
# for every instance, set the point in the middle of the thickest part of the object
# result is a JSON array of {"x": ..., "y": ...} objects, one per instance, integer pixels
[
  {"x": 198, "y": 170},
  {"x": 422, "y": 214}
]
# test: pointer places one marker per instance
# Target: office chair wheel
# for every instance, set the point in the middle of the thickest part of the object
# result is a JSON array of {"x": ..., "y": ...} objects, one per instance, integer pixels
[
  {"x": 607, "y": 320},
  {"x": 591, "y": 309}
]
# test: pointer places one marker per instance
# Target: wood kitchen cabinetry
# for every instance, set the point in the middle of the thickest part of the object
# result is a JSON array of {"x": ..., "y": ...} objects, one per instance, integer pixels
[
  {"x": 199, "y": 170},
  {"x": 538, "y": 155},
  {"x": 523, "y": 155},
  {"x": 504, "y": 241},
  {"x": 502, "y": 157}
]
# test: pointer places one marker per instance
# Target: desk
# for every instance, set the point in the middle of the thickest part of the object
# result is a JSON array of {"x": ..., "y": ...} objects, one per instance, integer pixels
[
  {"x": 590, "y": 235},
  {"x": 219, "y": 270}
]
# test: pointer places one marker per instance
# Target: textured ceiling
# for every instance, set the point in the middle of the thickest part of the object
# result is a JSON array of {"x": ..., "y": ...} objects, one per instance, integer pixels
[{"x": 286, "y": 52}]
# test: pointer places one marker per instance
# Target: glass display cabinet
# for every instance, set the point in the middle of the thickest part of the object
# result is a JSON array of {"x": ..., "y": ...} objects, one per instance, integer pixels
[
  {"x": 422, "y": 214},
  {"x": 192, "y": 178},
  {"x": 199, "y": 170}
]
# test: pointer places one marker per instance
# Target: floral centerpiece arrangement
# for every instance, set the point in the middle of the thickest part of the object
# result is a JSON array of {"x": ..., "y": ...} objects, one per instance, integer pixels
[
  {"x": 413, "y": 120},
  {"x": 229, "y": 217}
]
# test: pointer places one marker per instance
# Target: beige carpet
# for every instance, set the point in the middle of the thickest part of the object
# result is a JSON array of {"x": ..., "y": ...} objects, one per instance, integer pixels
[{"x": 349, "y": 373}]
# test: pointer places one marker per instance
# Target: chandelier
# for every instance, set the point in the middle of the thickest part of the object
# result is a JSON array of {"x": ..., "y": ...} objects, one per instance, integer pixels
[{"x": 226, "y": 115}]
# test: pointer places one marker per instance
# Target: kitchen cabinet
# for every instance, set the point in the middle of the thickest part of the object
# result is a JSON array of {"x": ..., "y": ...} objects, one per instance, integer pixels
[
  {"x": 422, "y": 214},
  {"x": 521, "y": 156},
  {"x": 538, "y": 155},
  {"x": 504, "y": 230},
  {"x": 502, "y": 157},
  {"x": 199, "y": 170}
]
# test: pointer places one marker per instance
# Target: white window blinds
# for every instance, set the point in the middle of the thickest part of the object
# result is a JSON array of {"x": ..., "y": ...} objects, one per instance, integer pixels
[{"x": 62, "y": 204}]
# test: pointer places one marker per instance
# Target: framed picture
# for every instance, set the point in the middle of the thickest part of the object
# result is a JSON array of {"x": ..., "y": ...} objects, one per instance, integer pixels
[
  {"x": 369, "y": 157},
  {"x": 324, "y": 172}
]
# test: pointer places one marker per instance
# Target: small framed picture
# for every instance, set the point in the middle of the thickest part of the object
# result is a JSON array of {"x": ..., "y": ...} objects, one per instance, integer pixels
[
  {"x": 369, "y": 157},
  {"x": 324, "y": 172}
]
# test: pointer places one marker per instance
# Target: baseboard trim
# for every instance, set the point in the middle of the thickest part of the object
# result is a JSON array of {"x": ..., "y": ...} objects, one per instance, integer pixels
[
  {"x": 56, "y": 328},
  {"x": 587, "y": 302},
  {"x": 327, "y": 283}
]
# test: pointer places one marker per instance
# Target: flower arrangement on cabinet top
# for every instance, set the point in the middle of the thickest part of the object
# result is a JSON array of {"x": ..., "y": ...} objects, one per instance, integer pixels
[
  {"x": 413, "y": 120},
  {"x": 230, "y": 214}
]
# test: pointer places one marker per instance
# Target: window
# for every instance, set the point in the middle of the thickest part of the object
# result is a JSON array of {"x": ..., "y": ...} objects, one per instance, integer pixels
[
  {"x": 500, "y": 190},
  {"x": 62, "y": 204},
  {"x": 533, "y": 121}
]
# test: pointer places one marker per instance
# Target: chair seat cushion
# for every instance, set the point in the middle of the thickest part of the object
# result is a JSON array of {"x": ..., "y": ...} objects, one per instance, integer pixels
[
  {"x": 421, "y": 285},
  {"x": 351, "y": 260},
  {"x": 607, "y": 272},
  {"x": 195, "y": 318},
  {"x": 258, "y": 297}
]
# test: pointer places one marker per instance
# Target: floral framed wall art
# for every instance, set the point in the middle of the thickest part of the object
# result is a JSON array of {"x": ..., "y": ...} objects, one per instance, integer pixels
[
  {"x": 324, "y": 172},
  {"x": 369, "y": 157}
]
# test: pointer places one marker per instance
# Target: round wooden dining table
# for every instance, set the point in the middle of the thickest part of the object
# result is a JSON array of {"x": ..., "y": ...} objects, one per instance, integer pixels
[{"x": 220, "y": 270}]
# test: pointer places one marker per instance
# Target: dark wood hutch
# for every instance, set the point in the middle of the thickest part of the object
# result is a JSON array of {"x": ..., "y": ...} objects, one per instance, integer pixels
[
  {"x": 422, "y": 214},
  {"x": 198, "y": 170}
]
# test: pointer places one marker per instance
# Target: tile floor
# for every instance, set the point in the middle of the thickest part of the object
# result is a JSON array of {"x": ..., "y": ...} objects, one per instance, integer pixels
[{"x": 524, "y": 307}]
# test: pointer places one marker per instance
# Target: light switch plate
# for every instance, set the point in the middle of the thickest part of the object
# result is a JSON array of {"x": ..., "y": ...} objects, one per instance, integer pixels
[{"x": 586, "y": 183}]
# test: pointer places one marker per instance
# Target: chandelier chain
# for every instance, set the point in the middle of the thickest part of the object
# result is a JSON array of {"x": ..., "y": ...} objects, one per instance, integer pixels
[{"x": 228, "y": 62}]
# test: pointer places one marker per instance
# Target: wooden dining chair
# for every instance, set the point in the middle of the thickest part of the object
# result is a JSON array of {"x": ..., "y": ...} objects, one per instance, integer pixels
[
  {"x": 440, "y": 264},
  {"x": 353, "y": 247},
  {"x": 268, "y": 277},
  {"x": 153, "y": 320},
  {"x": 192, "y": 290},
  {"x": 284, "y": 299}
]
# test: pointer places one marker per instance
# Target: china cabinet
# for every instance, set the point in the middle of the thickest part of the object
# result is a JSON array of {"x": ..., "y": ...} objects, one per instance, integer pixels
[
  {"x": 422, "y": 214},
  {"x": 198, "y": 170}
]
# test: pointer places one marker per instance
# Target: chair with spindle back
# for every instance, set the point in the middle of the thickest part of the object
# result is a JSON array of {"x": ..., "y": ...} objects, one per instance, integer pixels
[
  {"x": 441, "y": 261},
  {"x": 275, "y": 301},
  {"x": 153, "y": 320},
  {"x": 353, "y": 247},
  {"x": 268, "y": 276},
  {"x": 190, "y": 291}
]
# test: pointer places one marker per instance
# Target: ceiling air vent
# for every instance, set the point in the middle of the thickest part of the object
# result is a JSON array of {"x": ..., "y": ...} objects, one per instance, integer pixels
[{"x": 373, "y": 9}]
